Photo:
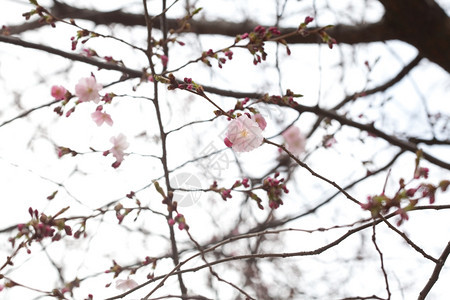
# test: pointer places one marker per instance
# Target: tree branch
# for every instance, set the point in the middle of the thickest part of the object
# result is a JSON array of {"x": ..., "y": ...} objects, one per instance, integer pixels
[{"x": 434, "y": 277}]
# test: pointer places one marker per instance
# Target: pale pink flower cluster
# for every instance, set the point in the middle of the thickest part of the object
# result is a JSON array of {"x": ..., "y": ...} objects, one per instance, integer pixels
[
  {"x": 58, "y": 92},
  {"x": 295, "y": 140},
  {"x": 87, "y": 89},
  {"x": 245, "y": 133},
  {"x": 126, "y": 284},
  {"x": 100, "y": 117}
]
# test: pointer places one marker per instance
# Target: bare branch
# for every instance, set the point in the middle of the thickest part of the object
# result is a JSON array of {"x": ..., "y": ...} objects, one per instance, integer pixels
[{"x": 435, "y": 276}]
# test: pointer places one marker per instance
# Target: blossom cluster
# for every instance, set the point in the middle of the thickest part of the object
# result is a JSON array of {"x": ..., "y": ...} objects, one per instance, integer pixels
[
  {"x": 87, "y": 89},
  {"x": 285, "y": 100}
]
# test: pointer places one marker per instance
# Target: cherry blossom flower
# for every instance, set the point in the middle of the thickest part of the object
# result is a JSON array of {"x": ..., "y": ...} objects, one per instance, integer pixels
[
  {"x": 295, "y": 140},
  {"x": 58, "y": 92},
  {"x": 87, "y": 89},
  {"x": 100, "y": 117},
  {"x": 124, "y": 285},
  {"x": 120, "y": 144},
  {"x": 244, "y": 134},
  {"x": 258, "y": 118}
]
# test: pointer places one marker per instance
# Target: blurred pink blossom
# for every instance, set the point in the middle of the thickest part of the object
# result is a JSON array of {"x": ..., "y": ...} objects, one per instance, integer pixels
[
  {"x": 87, "y": 89},
  {"x": 258, "y": 118},
  {"x": 244, "y": 134},
  {"x": 295, "y": 140},
  {"x": 58, "y": 92},
  {"x": 120, "y": 144},
  {"x": 124, "y": 285},
  {"x": 101, "y": 117}
]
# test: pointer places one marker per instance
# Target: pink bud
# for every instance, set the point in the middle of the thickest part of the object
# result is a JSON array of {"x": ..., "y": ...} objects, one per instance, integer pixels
[
  {"x": 164, "y": 60},
  {"x": 308, "y": 20},
  {"x": 227, "y": 142}
]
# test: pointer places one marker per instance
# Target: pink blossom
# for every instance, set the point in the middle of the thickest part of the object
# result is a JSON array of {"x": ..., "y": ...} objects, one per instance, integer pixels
[
  {"x": 120, "y": 144},
  {"x": 127, "y": 284},
  {"x": 295, "y": 140},
  {"x": 244, "y": 134},
  {"x": 258, "y": 118},
  {"x": 101, "y": 117},
  {"x": 58, "y": 92},
  {"x": 87, "y": 89}
]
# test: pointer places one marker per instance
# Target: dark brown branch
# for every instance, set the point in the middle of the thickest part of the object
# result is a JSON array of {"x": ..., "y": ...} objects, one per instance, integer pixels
[
  {"x": 26, "y": 113},
  {"x": 405, "y": 145},
  {"x": 70, "y": 56},
  {"x": 420, "y": 23},
  {"x": 383, "y": 269},
  {"x": 434, "y": 277},
  {"x": 423, "y": 24},
  {"x": 433, "y": 141},
  {"x": 346, "y": 34}
]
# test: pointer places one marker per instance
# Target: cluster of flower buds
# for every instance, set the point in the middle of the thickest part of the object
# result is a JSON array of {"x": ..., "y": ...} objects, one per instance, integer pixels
[
  {"x": 171, "y": 207},
  {"x": 274, "y": 188},
  {"x": 121, "y": 212},
  {"x": 239, "y": 106},
  {"x": 45, "y": 16},
  {"x": 83, "y": 35},
  {"x": 226, "y": 193},
  {"x": 116, "y": 269},
  {"x": 89, "y": 52},
  {"x": 285, "y": 100},
  {"x": 187, "y": 84},
  {"x": 256, "y": 40},
  {"x": 326, "y": 38},
  {"x": 61, "y": 151},
  {"x": 302, "y": 28},
  {"x": 207, "y": 55},
  {"x": 42, "y": 226},
  {"x": 180, "y": 220},
  {"x": 405, "y": 199}
]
